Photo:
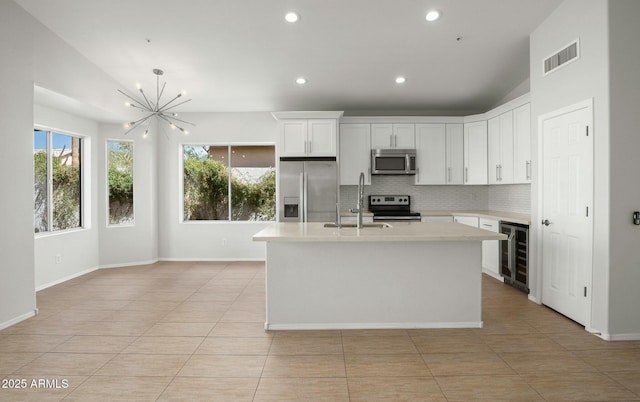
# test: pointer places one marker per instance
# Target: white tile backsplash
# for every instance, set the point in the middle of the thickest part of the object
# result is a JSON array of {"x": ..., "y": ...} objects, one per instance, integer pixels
[{"x": 511, "y": 198}]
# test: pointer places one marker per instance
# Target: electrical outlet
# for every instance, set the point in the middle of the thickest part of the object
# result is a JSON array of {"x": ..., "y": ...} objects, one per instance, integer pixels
[{"x": 58, "y": 258}]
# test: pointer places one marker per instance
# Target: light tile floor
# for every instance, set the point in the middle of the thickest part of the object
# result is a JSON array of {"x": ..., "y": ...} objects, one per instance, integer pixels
[{"x": 194, "y": 331}]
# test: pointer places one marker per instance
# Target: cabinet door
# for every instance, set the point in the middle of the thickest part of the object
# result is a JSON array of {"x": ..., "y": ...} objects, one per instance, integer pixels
[
  {"x": 467, "y": 220},
  {"x": 490, "y": 249},
  {"x": 493, "y": 150},
  {"x": 522, "y": 144},
  {"x": 431, "y": 154},
  {"x": 455, "y": 147},
  {"x": 321, "y": 137},
  {"x": 500, "y": 149},
  {"x": 293, "y": 138},
  {"x": 381, "y": 136},
  {"x": 355, "y": 153},
  {"x": 506, "y": 147},
  {"x": 475, "y": 153},
  {"x": 404, "y": 136}
]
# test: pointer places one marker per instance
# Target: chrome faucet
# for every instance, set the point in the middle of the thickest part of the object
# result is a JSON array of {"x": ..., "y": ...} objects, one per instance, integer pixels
[{"x": 360, "y": 206}]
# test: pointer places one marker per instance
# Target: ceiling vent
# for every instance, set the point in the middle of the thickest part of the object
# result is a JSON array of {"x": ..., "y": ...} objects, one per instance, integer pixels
[{"x": 561, "y": 58}]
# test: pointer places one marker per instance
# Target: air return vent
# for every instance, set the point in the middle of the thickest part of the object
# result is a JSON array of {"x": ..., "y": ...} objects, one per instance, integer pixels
[{"x": 561, "y": 58}]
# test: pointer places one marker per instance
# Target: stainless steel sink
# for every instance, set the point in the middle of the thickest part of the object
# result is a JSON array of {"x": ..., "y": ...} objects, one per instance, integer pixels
[{"x": 353, "y": 225}]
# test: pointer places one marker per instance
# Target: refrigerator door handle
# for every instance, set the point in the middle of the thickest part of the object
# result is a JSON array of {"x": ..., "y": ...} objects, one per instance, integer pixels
[{"x": 302, "y": 200}]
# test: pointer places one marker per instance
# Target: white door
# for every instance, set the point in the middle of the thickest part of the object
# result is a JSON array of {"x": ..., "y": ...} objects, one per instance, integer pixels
[
  {"x": 475, "y": 153},
  {"x": 567, "y": 225},
  {"x": 455, "y": 146}
]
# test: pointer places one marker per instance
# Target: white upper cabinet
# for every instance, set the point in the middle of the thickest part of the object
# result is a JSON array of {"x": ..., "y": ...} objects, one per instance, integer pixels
[
  {"x": 431, "y": 150},
  {"x": 522, "y": 144},
  {"x": 475, "y": 153},
  {"x": 355, "y": 153},
  {"x": 455, "y": 154},
  {"x": 308, "y": 137},
  {"x": 500, "y": 149},
  {"x": 393, "y": 136}
]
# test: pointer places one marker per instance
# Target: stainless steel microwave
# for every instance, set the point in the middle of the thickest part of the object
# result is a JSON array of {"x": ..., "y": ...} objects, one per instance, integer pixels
[{"x": 393, "y": 161}]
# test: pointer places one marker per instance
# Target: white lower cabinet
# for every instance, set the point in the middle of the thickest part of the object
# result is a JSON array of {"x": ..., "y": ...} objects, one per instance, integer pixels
[
  {"x": 436, "y": 218},
  {"x": 491, "y": 249}
]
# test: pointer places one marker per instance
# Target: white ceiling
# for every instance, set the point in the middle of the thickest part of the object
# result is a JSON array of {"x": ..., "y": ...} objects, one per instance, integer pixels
[{"x": 240, "y": 55}]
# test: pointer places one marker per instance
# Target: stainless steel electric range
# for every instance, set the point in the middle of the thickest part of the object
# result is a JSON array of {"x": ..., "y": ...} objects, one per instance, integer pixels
[{"x": 392, "y": 208}]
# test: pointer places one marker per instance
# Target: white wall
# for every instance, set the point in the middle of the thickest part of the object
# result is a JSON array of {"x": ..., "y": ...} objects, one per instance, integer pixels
[
  {"x": 126, "y": 244},
  {"x": 582, "y": 79},
  {"x": 624, "y": 185},
  {"x": 17, "y": 296},
  {"x": 204, "y": 240},
  {"x": 78, "y": 249}
]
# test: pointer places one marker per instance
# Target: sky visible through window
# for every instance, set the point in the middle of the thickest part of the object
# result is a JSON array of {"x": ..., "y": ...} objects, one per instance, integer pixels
[{"x": 59, "y": 141}]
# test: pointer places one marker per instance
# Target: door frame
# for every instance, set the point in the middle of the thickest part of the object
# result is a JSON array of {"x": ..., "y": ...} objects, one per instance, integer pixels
[{"x": 585, "y": 104}]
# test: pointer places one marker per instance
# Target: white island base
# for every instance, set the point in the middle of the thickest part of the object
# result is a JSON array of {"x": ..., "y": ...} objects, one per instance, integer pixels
[{"x": 373, "y": 284}]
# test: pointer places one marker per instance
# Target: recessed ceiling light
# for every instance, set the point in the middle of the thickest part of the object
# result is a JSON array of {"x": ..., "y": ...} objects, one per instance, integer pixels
[
  {"x": 292, "y": 17},
  {"x": 301, "y": 81},
  {"x": 433, "y": 15},
  {"x": 400, "y": 80}
]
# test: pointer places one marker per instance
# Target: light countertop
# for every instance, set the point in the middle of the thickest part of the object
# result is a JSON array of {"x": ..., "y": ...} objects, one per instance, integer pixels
[
  {"x": 398, "y": 231},
  {"x": 515, "y": 217}
]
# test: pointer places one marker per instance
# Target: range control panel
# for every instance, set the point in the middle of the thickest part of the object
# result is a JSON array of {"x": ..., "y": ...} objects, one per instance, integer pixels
[{"x": 395, "y": 200}]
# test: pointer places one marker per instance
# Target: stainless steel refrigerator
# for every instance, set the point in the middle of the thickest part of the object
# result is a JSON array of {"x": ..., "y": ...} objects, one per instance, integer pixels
[{"x": 308, "y": 190}]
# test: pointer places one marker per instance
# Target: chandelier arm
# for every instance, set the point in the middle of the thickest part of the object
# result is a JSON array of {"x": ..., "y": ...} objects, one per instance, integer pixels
[
  {"x": 151, "y": 108},
  {"x": 171, "y": 123},
  {"x": 180, "y": 120},
  {"x": 143, "y": 106},
  {"x": 160, "y": 93},
  {"x": 164, "y": 108},
  {"x": 137, "y": 123}
]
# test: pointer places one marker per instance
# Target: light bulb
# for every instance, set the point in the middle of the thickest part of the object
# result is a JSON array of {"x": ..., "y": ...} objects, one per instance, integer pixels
[
  {"x": 127, "y": 104},
  {"x": 301, "y": 81},
  {"x": 401, "y": 80},
  {"x": 291, "y": 17},
  {"x": 432, "y": 15},
  {"x": 138, "y": 85}
]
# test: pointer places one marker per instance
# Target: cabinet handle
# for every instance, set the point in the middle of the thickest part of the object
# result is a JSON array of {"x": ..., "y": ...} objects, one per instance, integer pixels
[
  {"x": 449, "y": 175},
  {"x": 500, "y": 172},
  {"x": 369, "y": 175},
  {"x": 466, "y": 175},
  {"x": 310, "y": 147},
  {"x": 417, "y": 175},
  {"x": 391, "y": 141},
  {"x": 497, "y": 172},
  {"x": 528, "y": 170}
]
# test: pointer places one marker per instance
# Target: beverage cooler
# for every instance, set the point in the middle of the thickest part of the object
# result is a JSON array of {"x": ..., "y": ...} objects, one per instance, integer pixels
[{"x": 514, "y": 255}]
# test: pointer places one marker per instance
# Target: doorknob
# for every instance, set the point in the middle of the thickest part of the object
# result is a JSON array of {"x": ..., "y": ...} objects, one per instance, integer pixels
[{"x": 546, "y": 222}]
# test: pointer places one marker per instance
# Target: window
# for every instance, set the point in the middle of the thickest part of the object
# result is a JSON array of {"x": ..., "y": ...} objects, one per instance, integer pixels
[
  {"x": 120, "y": 182},
  {"x": 236, "y": 183},
  {"x": 57, "y": 196}
]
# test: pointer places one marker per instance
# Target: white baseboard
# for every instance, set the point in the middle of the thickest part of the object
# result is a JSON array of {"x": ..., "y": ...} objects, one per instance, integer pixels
[
  {"x": 614, "y": 337},
  {"x": 534, "y": 299},
  {"x": 66, "y": 278},
  {"x": 369, "y": 325},
  {"x": 212, "y": 259},
  {"x": 18, "y": 319},
  {"x": 492, "y": 274},
  {"x": 129, "y": 264}
]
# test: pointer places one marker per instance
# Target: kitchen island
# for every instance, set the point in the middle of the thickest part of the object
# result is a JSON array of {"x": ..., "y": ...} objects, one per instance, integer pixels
[{"x": 407, "y": 275}]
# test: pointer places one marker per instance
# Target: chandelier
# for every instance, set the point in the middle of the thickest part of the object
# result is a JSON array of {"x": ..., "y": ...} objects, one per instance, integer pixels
[{"x": 153, "y": 107}]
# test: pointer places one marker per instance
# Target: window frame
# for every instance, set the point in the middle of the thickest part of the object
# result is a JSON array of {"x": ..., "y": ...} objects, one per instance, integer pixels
[
  {"x": 228, "y": 145},
  {"x": 133, "y": 172},
  {"x": 85, "y": 184}
]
